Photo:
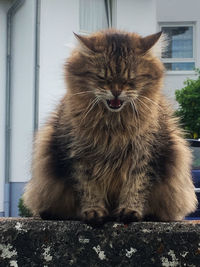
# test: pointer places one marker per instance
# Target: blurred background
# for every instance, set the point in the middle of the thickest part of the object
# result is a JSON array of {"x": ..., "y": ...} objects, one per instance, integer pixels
[{"x": 37, "y": 37}]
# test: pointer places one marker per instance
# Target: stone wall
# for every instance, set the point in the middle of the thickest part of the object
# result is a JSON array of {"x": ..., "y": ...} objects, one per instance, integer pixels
[{"x": 30, "y": 242}]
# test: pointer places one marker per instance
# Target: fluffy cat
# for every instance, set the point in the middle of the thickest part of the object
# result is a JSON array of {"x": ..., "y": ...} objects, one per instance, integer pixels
[{"x": 112, "y": 148}]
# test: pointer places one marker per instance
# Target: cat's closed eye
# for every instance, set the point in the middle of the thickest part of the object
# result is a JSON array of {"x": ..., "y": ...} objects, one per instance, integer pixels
[
  {"x": 100, "y": 81},
  {"x": 109, "y": 81},
  {"x": 100, "y": 77},
  {"x": 131, "y": 83},
  {"x": 145, "y": 76}
]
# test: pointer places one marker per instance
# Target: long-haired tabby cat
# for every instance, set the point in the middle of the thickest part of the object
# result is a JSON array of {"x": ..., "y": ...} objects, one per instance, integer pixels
[{"x": 112, "y": 147}]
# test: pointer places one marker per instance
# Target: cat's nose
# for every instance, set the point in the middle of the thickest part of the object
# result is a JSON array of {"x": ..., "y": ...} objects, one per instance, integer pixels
[{"x": 115, "y": 92}]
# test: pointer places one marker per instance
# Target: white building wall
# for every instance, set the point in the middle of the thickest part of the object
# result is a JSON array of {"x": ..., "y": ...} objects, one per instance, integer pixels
[
  {"x": 58, "y": 21},
  {"x": 136, "y": 16},
  {"x": 4, "y": 5},
  {"x": 180, "y": 11},
  {"x": 22, "y": 87}
]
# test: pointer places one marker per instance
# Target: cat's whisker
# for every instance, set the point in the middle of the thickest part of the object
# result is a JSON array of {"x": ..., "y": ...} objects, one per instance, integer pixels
[
  {"x": 80, "y": 93},
  {"x": 144, "y": 104},
  {"x": 134, "y": 107},
  {"x": 102, "y": 90},
  {"x": 131, "y": 94},
  {"x": 153, "y": 102},
  {"x": 91, "y": 106},
  {"x": 101, "y": 96}
]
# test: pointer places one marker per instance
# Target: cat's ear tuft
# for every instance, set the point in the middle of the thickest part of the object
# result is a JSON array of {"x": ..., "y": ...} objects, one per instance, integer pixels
[
  {"x": 149, "y": 41},
  {"x": 86, "y": 42}
]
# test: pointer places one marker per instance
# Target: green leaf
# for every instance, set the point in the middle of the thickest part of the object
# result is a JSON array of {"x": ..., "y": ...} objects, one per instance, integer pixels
[
  {"x": 23, "y": 210},
  {"x": 189, "y": 105}
]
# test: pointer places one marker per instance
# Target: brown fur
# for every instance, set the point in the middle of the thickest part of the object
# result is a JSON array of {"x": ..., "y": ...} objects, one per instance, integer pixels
[{"x": 90, "y": 162}]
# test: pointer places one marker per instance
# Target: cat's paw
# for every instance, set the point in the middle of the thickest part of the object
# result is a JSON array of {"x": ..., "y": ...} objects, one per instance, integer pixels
[
  {"x": 95, "y": 216},
  {"x": 127, "y": 215}
]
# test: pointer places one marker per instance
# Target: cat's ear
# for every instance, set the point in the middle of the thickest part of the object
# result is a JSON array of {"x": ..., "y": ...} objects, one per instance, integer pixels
[
  {"x": 87, "y": 43},
  {"x": 149, "y": 41},
  {"x": 91, "y": 44}
]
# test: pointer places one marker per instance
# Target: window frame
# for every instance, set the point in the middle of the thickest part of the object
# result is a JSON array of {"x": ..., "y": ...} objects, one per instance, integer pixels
[{"x": 179, "y": 60}]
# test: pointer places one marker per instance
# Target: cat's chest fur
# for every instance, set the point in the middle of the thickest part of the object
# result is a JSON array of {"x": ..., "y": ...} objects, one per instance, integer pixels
[
  {"x": 110, "y": 162},
  {"x": 110, "y": 156}
]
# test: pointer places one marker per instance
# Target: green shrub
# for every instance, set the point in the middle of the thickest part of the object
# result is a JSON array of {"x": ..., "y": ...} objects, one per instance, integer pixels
[
  {"x": 189, "y": 106},
  {"x": 23, "y": 210}
]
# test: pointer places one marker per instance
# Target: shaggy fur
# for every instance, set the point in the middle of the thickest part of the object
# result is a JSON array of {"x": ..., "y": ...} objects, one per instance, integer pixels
[{"x": 97, "y": 158}]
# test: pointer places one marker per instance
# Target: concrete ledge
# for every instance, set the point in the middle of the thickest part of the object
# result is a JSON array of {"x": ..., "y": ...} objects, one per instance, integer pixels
[{"x": 30, "y": 242}]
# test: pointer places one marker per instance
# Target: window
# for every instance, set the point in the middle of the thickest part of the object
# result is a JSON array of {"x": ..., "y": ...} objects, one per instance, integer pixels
[
  {"x": 196, "y": 158},
  {"x": 179, "y": 54},
  {"x": 95, "y": 15}
]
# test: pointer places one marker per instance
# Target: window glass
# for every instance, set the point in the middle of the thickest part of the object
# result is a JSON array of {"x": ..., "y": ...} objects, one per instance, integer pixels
[
  {"x": 180, "y": 66},
  {"x": 180, "y": 42},
  {"x": 196, "y": 157},
  {"x": 179, "y": 53}
]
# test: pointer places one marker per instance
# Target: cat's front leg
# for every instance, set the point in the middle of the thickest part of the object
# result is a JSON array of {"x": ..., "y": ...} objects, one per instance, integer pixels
[
  {"x": 93, "y": 209},
  {"x": 133, "y": 199}
]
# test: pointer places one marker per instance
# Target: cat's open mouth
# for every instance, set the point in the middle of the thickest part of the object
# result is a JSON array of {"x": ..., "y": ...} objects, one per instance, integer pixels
[{"x": 114, "y": 103}]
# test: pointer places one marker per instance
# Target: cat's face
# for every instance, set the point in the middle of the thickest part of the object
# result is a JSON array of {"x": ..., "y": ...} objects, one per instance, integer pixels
[{"x": 116, "y": 68}]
